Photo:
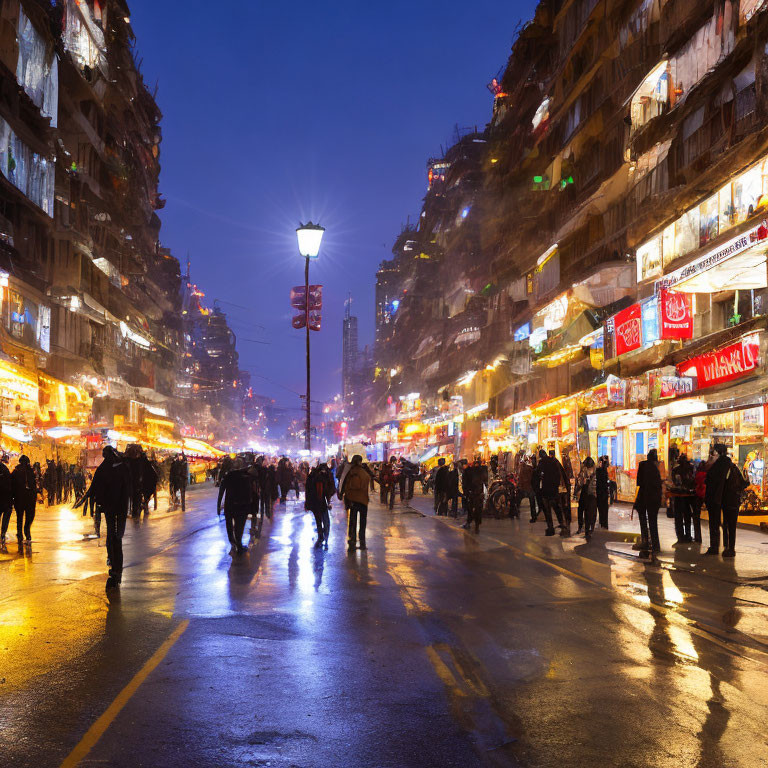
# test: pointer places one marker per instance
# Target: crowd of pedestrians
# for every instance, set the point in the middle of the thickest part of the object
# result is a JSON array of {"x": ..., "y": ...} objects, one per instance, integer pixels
[
  {"x": 126, "y": 483},
  {"x": 551, "y": 487}
]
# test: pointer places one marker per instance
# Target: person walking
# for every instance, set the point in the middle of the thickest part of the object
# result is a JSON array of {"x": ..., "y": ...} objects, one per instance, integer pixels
[
  {"x": 525, "y": 485},
  {"x": 474, "y": 482},
  {"x": 602, "y": 487},
  {"x": 49, "y": 482},
  {"x": 319, "y": 491},
  {"x": 683, "y": 494},
  {"x": 354, "y": 490},
  {"x": 441, "y": 488},
  {"x": 6, "y": 497},
  {"x": 587, "y": 480},
  {"x": 648, "y": 501},
  {"x": 178, "y": 478},
  {"x": 452, "y": 490},
  {"x": 24, "y": 490},
  {"x": 551, "y": 476},
  {"x": 237, "y": 490},
  {"x": 700, "y": 491},
  {"x": 148, "y": 481},
  {"x": 284, "y": 478},
  {"x": 59, "y": 481},
  {"x": 725, "y": 486},
  {"x": 111, "y": 492},
  {"x": 387, "y": 480}
]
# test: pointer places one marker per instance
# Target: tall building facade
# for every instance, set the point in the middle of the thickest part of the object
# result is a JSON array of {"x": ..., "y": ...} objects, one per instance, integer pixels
[
  {"x": 349, "y": 355},
  {"x": 600, "y": 247},
  {"x": 90, "y": 302}
]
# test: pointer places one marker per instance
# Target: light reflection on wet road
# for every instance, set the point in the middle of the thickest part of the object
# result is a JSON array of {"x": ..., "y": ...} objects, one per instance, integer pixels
[{"x": 433, "y": 648}]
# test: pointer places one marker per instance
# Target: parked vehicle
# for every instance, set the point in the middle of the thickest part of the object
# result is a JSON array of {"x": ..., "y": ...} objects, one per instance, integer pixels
[{"x": 502, "y": 498}]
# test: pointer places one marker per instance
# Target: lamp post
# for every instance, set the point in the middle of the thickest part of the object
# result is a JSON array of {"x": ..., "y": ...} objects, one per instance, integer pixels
[{"x": 310, "y": 236}]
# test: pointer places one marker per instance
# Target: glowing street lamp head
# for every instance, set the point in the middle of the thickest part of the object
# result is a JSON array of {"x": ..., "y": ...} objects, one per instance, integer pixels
[{"x": 310, "y": 236}]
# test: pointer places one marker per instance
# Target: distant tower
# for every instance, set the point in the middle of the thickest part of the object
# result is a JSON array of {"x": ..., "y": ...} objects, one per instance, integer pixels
[{"x": 348, "y": 354}]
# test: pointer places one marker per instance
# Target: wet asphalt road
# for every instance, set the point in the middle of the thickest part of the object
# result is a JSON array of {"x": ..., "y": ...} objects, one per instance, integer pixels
[{"x": 432, "y": 648}]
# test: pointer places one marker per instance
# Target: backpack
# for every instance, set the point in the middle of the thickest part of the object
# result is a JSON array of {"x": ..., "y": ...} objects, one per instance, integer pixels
[
  {"x": 734, "y": 487},
  {"x": 356, "y": 482}
]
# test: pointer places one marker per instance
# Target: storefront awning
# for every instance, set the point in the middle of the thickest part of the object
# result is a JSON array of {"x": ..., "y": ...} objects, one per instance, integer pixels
[{"x": 739, "y": 264}]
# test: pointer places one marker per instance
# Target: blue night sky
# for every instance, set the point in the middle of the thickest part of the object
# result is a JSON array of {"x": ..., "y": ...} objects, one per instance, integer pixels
[{"x": 279, "y": 112}]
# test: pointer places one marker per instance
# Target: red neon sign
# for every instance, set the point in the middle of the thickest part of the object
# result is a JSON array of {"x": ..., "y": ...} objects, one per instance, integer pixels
[{"x": 731, "y": 362}]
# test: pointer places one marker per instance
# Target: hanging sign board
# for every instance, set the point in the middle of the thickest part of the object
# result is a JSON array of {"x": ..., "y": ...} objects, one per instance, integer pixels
[
  {"x": 726, "y": 364},
  {"x": 676, "y": 315},
  {"x": 627, "y": 329}
]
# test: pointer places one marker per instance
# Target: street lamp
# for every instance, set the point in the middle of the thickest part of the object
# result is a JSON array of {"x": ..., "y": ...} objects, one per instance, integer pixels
[{"x": 309, "y": 236}]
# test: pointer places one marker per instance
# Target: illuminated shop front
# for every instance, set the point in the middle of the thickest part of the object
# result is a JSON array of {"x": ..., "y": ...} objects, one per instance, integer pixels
[
  {"x": 729, "y": 407},
  {"x": 626, "y": 436}
]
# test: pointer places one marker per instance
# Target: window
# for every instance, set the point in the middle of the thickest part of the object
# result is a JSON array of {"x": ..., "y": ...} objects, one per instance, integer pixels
[
  {"x": 82, "y": 38},
  {"x": 702, "y": 52},
  {"x": 709, "y": 225},
  {"x": 30, "y": 173},
  {"x": 652, "y": 97},
  {"x": 37, "y": 69}
]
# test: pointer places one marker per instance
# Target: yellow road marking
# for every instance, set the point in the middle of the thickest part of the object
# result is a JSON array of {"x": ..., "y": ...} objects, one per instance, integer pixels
[
  {"x": 96, "y": 731},
  {"x": 444, "y": 672}
]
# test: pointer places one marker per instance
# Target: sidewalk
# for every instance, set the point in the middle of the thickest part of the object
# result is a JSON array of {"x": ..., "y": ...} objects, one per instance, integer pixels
[{"x": 749, "y": 566}]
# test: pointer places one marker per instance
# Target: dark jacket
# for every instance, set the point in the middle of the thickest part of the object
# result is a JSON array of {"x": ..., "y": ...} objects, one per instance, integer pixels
[
  {"x": 601, "y": 482},
  {"x": 452, "y": 482},
  {"x": 474, "y": 480},
  {"x": 320, "y": 488},
  {"x": 111, "y": 486},
  {"x": 552, "y": 477},
  {"x": 24, "y": 486},
  {"x": 716, "y": 481},
  {"x": 179, "y": 473},
  {"x": 238, "y": 485},
  {"x": 441, "y": 480},
  {"x": 525, "y": 477},
  {"x": 648, "y": 485},
  {"x": 285, "y": 473},
  {"x": 148, "y": 476},
  {"x": 6, "y": 494}
]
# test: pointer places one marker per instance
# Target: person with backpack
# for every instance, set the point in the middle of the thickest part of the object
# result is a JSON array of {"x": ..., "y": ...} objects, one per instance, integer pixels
[
  {"x": 354, "y": 490},
  {"x": 725, "y": 486},
  {"x": 238, "y": 491},
  {"x": 682, "y": 494}
]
